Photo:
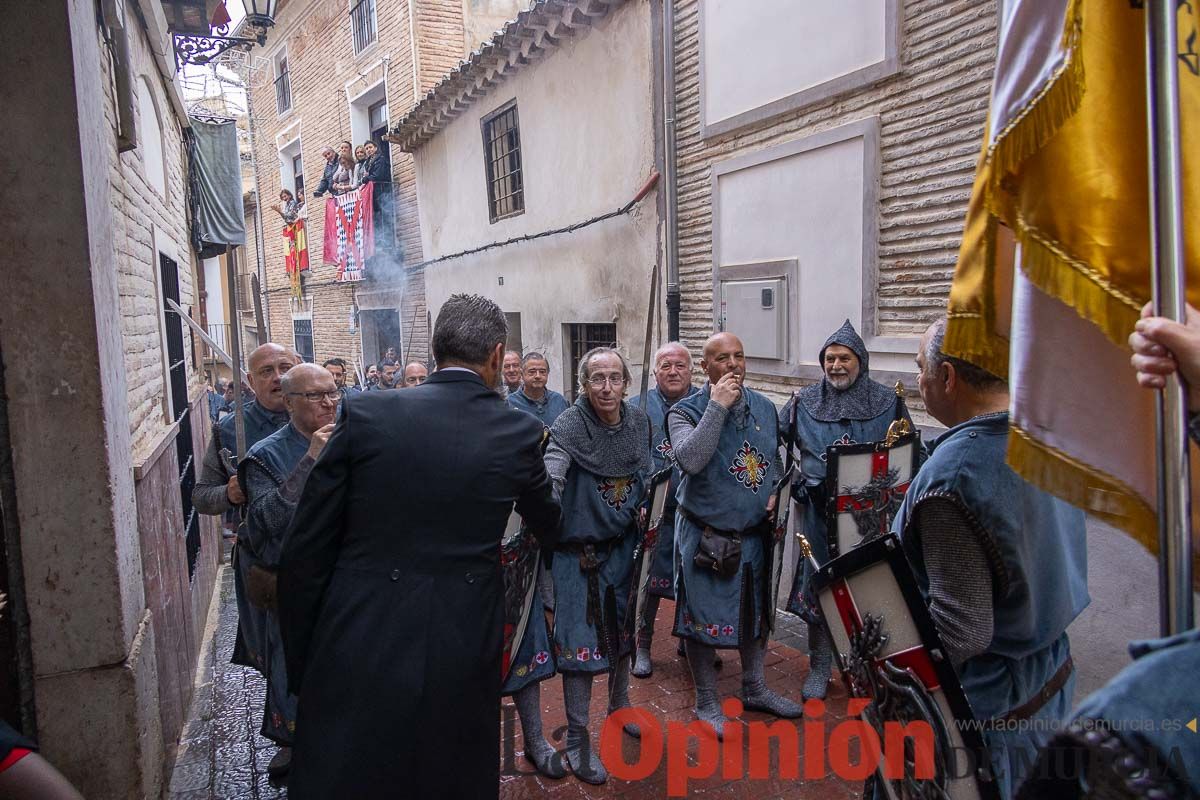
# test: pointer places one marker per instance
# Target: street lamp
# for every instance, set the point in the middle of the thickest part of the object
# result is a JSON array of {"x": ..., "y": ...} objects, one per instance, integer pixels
[{"x": 198, "y": 40}]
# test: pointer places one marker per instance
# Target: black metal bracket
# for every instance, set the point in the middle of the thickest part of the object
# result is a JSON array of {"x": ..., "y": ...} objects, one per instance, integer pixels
[{"x": 203, "y": 49}]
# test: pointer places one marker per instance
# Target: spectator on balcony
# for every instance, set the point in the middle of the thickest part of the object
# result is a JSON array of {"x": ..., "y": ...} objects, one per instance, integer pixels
[
  {"x": 378, "y": 171},
  {"x": 343, "y": 173},
  {"x": 326, "y": 183},
  {"x": 288, "y": 207},
  {"x": 360, "y": 165}
]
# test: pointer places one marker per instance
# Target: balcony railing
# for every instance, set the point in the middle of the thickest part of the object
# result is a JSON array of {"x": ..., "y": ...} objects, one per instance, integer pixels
[
  {"x": 362, "y": 23},
  {"x": 220, "y": 334},
  {"x": 283, "y": 92}
]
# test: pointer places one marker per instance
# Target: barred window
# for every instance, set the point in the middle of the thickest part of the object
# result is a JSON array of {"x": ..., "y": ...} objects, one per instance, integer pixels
[
  {"x": 302, "y": 334},
  {"x": 502, "y": 153},
  {"x": 363, "y": 24},
  {"x": 584, "y": 336}
]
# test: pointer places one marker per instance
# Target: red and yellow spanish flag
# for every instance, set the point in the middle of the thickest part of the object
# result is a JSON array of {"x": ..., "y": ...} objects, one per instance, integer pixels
[{"x": 1054, "y": 266}]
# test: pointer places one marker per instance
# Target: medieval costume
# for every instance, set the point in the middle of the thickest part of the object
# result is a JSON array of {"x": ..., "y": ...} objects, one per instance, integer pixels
[
  {"x": 546, "y": 409},
  {"x": 728, "y": 458},
  {"x": 662, "y": 568},
  {"x": 824, "y": 416},
  {"x": 273, "y": 474},
  {"x": 1003, "y": 567},
  {"x": 599, "y": 472},
  {"x": 209, "y": 497}
]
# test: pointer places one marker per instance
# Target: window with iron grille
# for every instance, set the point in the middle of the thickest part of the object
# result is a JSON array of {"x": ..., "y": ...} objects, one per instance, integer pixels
[
  {"x": 362, "y": 24},
  {"x": 298, "y": 177},
  {"x": 502, "y": 154},
  {"x": 283, "y": 84},
  {"x": 302, "y": 333},
  {"x": 178, "y": 395},
  {"x": 582, "y": 337}
]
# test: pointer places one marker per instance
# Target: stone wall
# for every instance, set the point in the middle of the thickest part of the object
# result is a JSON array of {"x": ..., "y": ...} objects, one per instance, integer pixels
[
  {"x": 931, "y": 116},
  {"x": 145, "y": 222}
]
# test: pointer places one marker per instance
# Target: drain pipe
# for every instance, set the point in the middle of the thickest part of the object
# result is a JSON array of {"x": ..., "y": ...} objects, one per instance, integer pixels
[{"x": 669, "y": 170}]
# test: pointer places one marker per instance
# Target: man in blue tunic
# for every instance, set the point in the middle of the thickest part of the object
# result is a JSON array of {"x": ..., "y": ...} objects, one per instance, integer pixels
[
  {"x": 1002, "y": 564},
  {"x": 672, "y": 383},
  {"x": 219, "y": 489},
  {"x": 274, "y": 472},
  {"x": 533, "y": 397},
  {"x": 598, "y": 460},
  {"x": 845, "y": 407},
  {"x": 1127, "y": 739},
  {"x": 726, "y": 442}
]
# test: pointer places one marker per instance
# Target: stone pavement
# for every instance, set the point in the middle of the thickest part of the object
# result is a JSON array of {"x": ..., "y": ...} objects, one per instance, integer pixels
[{"x": 223, "y": 757}]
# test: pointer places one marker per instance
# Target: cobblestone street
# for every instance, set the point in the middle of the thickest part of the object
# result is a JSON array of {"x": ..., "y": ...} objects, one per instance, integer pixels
[{"x": 222, "y": 756}]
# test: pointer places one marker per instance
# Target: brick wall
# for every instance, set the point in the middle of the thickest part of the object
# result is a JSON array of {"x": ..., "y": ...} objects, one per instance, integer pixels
[
  {"x": 931, "y": 118},
  {"x": 139, "y": 213}
]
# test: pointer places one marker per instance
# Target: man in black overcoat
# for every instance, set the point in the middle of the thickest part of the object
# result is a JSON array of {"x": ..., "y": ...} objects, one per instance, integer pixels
[{"x": 392, "y": 625}]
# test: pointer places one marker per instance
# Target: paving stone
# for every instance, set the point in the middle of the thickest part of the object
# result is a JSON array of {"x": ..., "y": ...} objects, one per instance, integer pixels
[{"x": 190, "y": 777}]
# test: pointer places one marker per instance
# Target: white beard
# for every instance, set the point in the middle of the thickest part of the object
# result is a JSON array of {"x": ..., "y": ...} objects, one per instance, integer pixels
[{"x": 840, "y": 382}]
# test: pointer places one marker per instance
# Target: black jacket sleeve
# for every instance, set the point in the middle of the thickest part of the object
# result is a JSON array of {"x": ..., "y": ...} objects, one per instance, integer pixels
[
  {"x": 377, "y": 171},
  {"x": 326, "y": 177},
  {"x": 310, "y": 549},
  {"x": 536, "y": 504}
]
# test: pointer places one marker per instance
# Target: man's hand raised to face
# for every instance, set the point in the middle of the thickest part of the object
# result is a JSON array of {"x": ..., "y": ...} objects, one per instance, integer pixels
[{"x": 727, "y": 390}]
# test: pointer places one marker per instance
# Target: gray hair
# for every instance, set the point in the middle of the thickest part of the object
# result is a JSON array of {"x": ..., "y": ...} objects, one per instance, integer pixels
[
  {"x": 585, "y": 365},
  {"x": 288, "y": 380},
  {"x": 671, "y": 346},
  {"x": 972, "y": 375},
  {"x": 533, "y": 355},
  {"x": 468, "y": 328}
]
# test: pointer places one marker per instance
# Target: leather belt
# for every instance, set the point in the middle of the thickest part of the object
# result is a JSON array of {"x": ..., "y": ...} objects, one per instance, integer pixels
[
  {"x": 1053, "y": 686},
  {"x": 734, "y": 535}
]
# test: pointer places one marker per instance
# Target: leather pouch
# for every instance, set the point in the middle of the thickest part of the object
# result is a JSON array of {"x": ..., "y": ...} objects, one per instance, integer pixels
[{"x": 719, "y": 553}]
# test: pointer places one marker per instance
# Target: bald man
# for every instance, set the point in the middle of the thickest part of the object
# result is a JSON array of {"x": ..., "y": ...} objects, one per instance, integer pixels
[
  {"x": 219, "y": 490},
  {"x": 726, "y": 443},
  {"x": 415, "y": 373},
  {"x": 274, "y": 472}
]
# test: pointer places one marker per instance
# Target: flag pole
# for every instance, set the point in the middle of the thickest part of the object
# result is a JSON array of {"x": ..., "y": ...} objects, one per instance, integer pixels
[{"x": 1167, "y": 259}]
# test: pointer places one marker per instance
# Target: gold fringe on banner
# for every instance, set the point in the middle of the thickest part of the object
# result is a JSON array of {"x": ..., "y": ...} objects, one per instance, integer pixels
[
  {"x": 1083, "y": 486},
  {"x": 1041, "y": 118},
  {"x": 1077, "y": 285}
]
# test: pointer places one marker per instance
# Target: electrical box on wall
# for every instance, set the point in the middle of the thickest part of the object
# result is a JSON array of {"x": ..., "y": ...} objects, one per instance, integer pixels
[{"x": 756, "y": 311}]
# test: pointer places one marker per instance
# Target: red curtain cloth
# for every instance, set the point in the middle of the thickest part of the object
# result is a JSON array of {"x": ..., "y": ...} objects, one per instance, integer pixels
[{"x": 350, "y": 232}]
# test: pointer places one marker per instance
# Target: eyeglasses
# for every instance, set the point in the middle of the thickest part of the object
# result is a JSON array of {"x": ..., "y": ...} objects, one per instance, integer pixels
[
  {"x": 598, "y": 381},
  {"x": 316, "y": 397}
]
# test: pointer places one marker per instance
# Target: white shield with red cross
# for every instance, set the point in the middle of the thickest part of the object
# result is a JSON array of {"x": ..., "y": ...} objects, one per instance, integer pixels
[
  {"x": 889, "y": 651},
  {"x": 866, "y": 484}
]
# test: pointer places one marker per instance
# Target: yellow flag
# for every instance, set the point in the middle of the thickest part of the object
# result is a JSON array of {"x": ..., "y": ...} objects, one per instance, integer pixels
[{"x": 1054, "y": 265}]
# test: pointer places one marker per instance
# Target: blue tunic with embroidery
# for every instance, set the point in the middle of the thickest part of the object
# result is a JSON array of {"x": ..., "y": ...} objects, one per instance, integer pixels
[
  {"x": 547, "y": 409},
  {"x": 1038, "y": 547},
  {"x": 812, "y": 437},
  {"x": 731, "y": 494},
  {"x": 662, "y": 570},
  {"x": 601, "y": 512},
  {"x": 249, "y": 649},
  {"x": 266, "y": 522}
]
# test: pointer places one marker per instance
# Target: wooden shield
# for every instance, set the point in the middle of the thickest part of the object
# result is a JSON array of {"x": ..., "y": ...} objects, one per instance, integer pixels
[
  {"x": 888, "y": 650},
  {"x": 783, "y": 511},
  {"x": 865, "y": 484},
  {"x": 520, "y": 559},
  {"x": 643, "y": 557}
]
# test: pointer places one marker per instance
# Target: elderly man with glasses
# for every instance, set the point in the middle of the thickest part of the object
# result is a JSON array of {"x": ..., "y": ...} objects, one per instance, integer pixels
[
  {"x": 598, "y": 460},
  {"x": 274, "y": 472}
]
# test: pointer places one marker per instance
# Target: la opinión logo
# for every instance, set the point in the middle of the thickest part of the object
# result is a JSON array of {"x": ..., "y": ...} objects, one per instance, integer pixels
[{"x": 852, "y": 749}]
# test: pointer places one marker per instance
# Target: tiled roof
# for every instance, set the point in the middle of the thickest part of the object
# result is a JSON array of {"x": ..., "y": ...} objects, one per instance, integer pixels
[{"x": 533, "y": 34}]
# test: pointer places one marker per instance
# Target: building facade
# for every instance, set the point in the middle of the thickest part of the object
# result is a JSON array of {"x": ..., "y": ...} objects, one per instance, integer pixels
[
  {"x": 108, "y": 571},
  {"x": 550, "y": 124},
  {"x": 338, "y": 70},
  {"x": 825, "y": 161},
  {"x": 824, "y": 164}
]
